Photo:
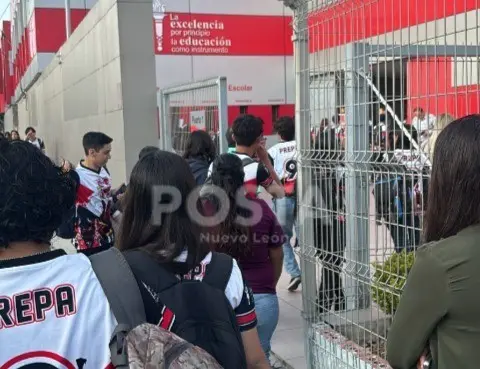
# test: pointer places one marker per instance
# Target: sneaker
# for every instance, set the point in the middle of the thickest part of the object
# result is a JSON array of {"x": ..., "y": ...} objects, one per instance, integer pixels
[
  {"x": 294, "y": 283},
  {"x": 296, "y": 245},
  {"x": 275, "y": 363}
]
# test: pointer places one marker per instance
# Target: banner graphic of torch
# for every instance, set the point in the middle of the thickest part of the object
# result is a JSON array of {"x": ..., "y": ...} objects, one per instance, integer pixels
[{"x": 158, "y": 15}]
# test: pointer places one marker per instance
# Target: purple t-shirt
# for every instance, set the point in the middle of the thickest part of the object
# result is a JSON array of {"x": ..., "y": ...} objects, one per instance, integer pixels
[{"x": 257, "y": 268}]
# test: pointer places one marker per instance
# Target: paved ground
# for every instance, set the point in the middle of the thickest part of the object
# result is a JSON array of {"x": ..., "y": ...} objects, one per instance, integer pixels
[{"x": 289, "y": 339}]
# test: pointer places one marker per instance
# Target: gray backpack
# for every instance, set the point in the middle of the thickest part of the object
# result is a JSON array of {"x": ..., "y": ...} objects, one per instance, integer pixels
[{"x": 136, "y": 344}]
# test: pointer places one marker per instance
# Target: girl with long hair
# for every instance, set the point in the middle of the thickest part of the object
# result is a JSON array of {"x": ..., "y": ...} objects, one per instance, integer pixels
[
  {"x": 199, "y": 154},
  {"x": 250, "y": 233},
  {"x": 439, "y": 307},
  {"x": 161, "y": 239},
  {"x": 15, "y": 135}
]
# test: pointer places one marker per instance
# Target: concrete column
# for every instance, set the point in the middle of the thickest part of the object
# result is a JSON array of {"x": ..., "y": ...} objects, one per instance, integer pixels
[
  {"x": 356, "y": 181},
  {"x": 137, "y": 66}
]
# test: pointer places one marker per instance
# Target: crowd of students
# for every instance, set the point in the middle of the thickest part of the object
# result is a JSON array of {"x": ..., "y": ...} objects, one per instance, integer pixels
[
  {"x": 54, "y": 305},
  {"x": 30, "y": 136}
]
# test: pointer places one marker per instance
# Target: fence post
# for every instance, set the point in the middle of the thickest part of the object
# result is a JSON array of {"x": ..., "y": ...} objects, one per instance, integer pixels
[
  {"x": 304, "y": 176},
  {"x": 357, "y": 183},
  {"x": 223, "y": 114},
  {"x": 165, "y": 124}
]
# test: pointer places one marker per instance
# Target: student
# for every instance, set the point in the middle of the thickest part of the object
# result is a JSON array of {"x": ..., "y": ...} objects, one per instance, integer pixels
[
  {"x": 147, "y": 150},
  {"x": 199, "y": 154},
  {"x": 439, "y": 305},
  {"x": 31, "y": 136},
  {"x": 284, "y": 160},
  {"x": 160, "y": 245},
  {"x": 230, "y": 140},
  {"x": 93, "y": 225},
  {"x": 51, "y": 303},
  {"x": 15, "y": 135},
  {"x": 256, "y": 247},
  {"x": 248, "y": 136}
]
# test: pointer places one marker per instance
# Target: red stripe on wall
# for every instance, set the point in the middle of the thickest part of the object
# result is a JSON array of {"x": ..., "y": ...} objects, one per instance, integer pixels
[
  {"x": 354, "y": 20},
  {"x": 50, "y": 27},
  {"x": 429, "y": 85}
]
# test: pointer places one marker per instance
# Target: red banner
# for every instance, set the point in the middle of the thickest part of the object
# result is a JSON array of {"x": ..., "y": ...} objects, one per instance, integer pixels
[{"x": 217, "y": 34}]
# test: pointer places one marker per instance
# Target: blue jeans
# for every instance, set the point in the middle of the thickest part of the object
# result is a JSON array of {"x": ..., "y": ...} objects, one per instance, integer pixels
[
  {"x": 266, "y": 308},
  {"x": 285, "y": 210}
]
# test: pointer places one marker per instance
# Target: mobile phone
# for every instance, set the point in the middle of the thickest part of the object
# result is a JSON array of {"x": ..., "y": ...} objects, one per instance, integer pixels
[{"x": 121, "y": 190}]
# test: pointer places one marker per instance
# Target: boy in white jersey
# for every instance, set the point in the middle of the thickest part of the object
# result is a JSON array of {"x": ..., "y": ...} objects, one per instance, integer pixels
[
  {"x": 53, "y": 312},
  {"x": 247, "y": 133},
  {"x": 285, "y": 164},
  {"x": 93, "y": 223},
  {"x": 31, "y": 136}
]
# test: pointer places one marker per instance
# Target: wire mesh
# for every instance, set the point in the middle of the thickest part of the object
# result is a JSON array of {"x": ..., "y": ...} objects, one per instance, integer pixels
[
  {"x": 378, "y": 80},
  {"x": 190, "y": 107}
]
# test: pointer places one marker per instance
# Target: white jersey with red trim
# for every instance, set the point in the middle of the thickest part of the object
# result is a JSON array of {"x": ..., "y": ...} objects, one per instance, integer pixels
[
  {"x": 94, "y": 191},
  {"x": 285, "y": 164},
  {"x": 53, "y": 314},
  {"x": 256, "y": 174}
]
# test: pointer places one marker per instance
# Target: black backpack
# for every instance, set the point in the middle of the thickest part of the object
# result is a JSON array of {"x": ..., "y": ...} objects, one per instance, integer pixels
[
  {"x": 66, "y": 230},
  {"x": 203, "y": 314}
]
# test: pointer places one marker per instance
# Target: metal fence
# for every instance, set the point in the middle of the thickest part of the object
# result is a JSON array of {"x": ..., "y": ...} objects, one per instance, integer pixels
[
  {"x": 376, "y": 81},
  {"x": 193, "y": 106}
]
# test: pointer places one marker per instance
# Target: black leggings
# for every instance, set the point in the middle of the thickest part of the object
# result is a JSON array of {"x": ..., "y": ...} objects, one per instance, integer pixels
[
  {"x": 330, "y": 241},
  {"x": 405, "y": 232}
]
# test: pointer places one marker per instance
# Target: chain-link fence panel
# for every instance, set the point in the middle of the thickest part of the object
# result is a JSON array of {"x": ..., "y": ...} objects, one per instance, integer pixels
[
  {"x": 376, "y": 81},
  {"x": 194, "y": 106}
]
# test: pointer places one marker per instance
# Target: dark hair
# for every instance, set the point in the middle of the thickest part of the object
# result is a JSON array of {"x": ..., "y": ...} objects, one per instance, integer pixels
[
  {"x": 402, "y": 142},
  {"x": 34, "y": 194},
  {"x": 229, "y": 136},
  {"x": 18, "y": 134},
  {"x": 8, "y": 136},
  {"x": 147, "y": 150},
  {"x": 95, "y": 141},
  {"x": 30, "y": 129},
  {"x": 200, "y": 145},
  {"x": 176, "y": 232},
  {"x": 454, "y": 191},
  {"x": 247, "y": 129},
  {"x": 229, "y": 238},
  {"x": 285, "y": 127},
  {"x": 418, "y": 109}
]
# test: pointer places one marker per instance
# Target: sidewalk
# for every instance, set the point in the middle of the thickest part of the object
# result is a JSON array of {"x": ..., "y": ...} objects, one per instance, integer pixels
[{"x": 289, "y": 338}]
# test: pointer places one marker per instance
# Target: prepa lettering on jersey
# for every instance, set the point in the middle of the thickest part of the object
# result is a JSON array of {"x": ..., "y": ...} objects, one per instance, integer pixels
[
  {"x": 44, "y": 320},
  {"x": 32, "y": 306}
]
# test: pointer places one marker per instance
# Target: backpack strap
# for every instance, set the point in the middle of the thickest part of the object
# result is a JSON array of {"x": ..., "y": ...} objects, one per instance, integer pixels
[
  {"x": 141, "y": 261},
  {"x": 120, "y": 286},
  {"x": 247, "y": 161},
  {"x": 123, "y": 295},
  {"x": 219, "y": 271}
]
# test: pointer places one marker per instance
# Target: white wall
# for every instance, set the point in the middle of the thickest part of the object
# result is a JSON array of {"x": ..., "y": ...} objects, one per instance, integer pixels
[{"x": 102, "y": 79}]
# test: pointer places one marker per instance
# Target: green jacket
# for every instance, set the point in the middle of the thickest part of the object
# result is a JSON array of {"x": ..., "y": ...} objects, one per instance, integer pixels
[{"x": 440, "y": 306}]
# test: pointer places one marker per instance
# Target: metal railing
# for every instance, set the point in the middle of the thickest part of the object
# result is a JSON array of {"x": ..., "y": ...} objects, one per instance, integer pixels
[
  {"x": 375, "y": 84},
  {"x": 193, "y": 106}
]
